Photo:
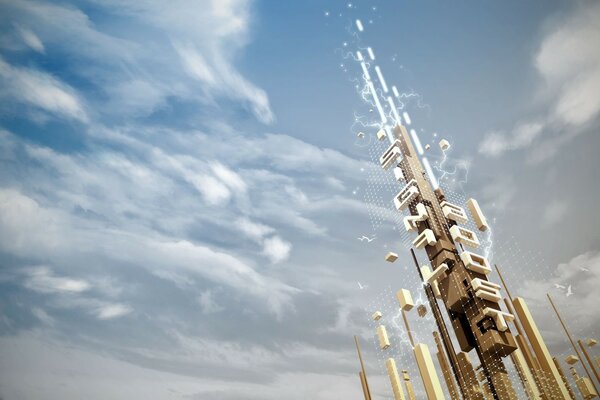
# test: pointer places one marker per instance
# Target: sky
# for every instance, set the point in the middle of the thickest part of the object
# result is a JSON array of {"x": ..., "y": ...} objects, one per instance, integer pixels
[{"x": 182, "y": 187}]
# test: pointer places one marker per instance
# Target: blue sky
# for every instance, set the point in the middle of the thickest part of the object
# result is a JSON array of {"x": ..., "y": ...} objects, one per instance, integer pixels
[{"x": 182, "y": 187}]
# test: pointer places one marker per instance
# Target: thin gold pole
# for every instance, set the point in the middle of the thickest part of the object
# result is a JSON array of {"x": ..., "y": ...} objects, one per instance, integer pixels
[
  {"x": 571, "y": 340},
  {"x": 589, "y": 360},
  {"x": 363, "y": 374},
  {"x": 410, "y": 337}
]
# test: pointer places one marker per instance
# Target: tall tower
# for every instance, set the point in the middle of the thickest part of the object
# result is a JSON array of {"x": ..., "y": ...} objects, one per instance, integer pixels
[{"x": 458, "y": 277}]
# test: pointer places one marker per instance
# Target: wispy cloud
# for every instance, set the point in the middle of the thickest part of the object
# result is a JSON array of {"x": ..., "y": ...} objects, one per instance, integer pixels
[
  {"x": 111, "y": 311},
  {"x": 568, "y": 63},
  {"x": 41, "y": 90},
  {"x": 42, "y": 280}
]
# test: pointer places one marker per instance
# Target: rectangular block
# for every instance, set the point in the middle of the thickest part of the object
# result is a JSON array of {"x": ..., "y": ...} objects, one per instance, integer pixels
[
  {"x": 475, "y": 262},
  {"x": 390, "y": 155},
  {"x": 405, "y": 299},
  {"x": 464, "y": 236},
  {"x": 384, "y": 341},
  {"x": 591, "y": 342},
  {"x": 426, "y": 238},
  {"x": 377, "y": 315},
  {"x": 391, "y": 257},
  {"x": 572, "y": 359},
  {"x": 454, "y": 212},
  {"x": 429, "y": 376},
  {"x": 392, "y": 371},
  {"x": 381, "y": 134},
  {"x": 477, "y": 215},
  {"x": 406, "y": 195},
  {"x": 539, "y": 346}
]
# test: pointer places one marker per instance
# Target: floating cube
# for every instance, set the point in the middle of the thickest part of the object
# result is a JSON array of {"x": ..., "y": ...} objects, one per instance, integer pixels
[
  {"x": 572, "y": 359},
  {"x": 422, "y": 310},
  {"x": 444, "y": 144},
  {"x": 405, "y": 299},
  {"x": 384, "y": 341},
  {"x": 391, "y": 257},
  {"x": 592, "y": 342},
  {"x": 377, "y": 315},
  {"x": 381, "y": 134}
]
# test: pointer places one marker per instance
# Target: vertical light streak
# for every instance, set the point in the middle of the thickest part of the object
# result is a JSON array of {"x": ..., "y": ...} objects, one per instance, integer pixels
[
  {"x": 395, "y": 90},
  {"x": 359, "y": 25},
  {"x": 415, "y": 139},
  {"x": 381, "y": 80},
  {"x": 365, "y": 71},
  {"x": 429, "y": 171},
  {"x": 393, "y": 107},
  {"x": 377, "y": 103},
  {"x": 371, "y": 55},
  {"x": 359, "y": 56},
  {"x": 406, "y": 117}
]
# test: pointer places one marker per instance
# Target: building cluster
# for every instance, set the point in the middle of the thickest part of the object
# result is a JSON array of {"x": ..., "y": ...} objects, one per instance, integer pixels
[{"x": 481, "y": 320}]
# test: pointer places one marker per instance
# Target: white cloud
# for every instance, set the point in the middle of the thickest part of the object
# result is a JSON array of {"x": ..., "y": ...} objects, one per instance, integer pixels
[
  {"x": 217, "y": 73},
  {"x": 31, "y": 39},
  {"x": 110, "y": 311},
  {"x": 568, "y": 62},
  {"x": 40, "y": 90},
  {"x": 42, "y": 280},
  {"x": 276, "y": 249},
  {"x": 253, "y": 230},
  {"x": 496, "y": 143}
]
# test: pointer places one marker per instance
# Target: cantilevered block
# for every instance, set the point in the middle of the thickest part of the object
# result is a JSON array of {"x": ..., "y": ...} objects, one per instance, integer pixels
[
  {"x": 392, "y": 371},
  {"x": 477, "y": 215},
  {"x": 406, "y": 195},
  {"x": 592, "y": 342},
  {"x": 410, "y": 221},
  {"x": 501, "y": 318},
  {"x": 405, "y": 299},
  {"x": 377, "y": 315},
  {"x": 464, "y": 236},
  {"x": 426, "y": 238},
  {"x": 475, "y": 262},
  {"x": 444, "y": 144},
  {"x": 384, "y": 341},
  {"x": 429, "y": 376},
  {"x": 390, "y": 155},
  {"x": 398, "y": 174},
  {"x": 381, "y": 134},
  {"x": 572, "y": 359},
  {"x": 486, "y": 290},
  {"x": 391, "y": 257},
  {"x": 453, "y": 212}
]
